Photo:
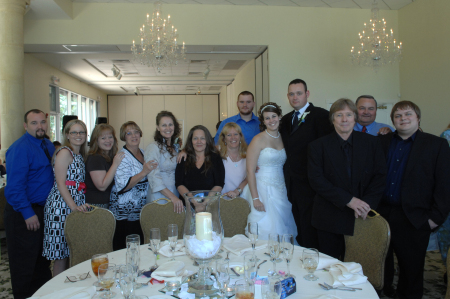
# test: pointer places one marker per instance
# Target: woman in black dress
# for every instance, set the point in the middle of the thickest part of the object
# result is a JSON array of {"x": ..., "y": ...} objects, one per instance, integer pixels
[{"x": 203, "y": 168}]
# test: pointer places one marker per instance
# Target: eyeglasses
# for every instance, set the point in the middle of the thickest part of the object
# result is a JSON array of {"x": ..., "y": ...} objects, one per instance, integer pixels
[
  {"x": 81, "y": 133},
  {"x": 78, "y": 277},
  {"x": 131, "y": 133}
]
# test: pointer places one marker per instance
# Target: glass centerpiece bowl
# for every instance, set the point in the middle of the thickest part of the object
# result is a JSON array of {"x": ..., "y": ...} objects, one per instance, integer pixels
[{"x": 203, "y": 235}]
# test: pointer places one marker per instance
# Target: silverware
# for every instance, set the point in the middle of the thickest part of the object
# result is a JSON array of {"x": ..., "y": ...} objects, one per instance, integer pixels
[
  {"x": 227, "y": 258},
  {"x": 234, "y": 271},
  {"x": 344, "y": 288},
  {"x": 324, "y": 287},
  {"x": 257, "y": 268}
]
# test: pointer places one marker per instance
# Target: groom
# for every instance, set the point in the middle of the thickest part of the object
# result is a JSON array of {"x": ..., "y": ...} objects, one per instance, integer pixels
[{"x": 298, "y": 128}]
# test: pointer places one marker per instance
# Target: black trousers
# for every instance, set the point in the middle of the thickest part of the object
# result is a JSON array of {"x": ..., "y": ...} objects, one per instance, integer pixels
[
  {"x": 410, "y": 246},
  {"x": 123, "y": 229},
  {"x": 331, "y": 244},
  {"x": 29, "y": 269},
  {"x": 302, "y": 211}
]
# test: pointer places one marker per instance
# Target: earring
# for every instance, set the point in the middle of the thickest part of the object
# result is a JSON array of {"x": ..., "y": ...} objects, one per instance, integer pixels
[
  {"x": 225, "y": 143},
  {"x": 240, "y": 142}
]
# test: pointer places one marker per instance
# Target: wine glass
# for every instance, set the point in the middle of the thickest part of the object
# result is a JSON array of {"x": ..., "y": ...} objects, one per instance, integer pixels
[
  {"x": 274, "y": 250},
  {"x": 126, "y": 281},
  {"x": 288, "y": 250},
  {"x": 252, "y": 231},
  {"x": 223, "y": 276},
  {"x": 155, "y": 240},
  {"x": 97, "y": 260},
  {"x": 310, "y": 263},
  {"x": 107, "y": 278},
  {"x": 172, "y": 233}
]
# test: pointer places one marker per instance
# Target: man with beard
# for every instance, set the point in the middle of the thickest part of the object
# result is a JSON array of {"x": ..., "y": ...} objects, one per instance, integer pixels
[
  {"x": 248, "y": 122},
  {"x": 30, "y": 179},
  {"x": 298, "y": 128}
]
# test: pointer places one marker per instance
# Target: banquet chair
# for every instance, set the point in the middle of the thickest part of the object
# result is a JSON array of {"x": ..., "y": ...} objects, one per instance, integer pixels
[
  {"x": 234, "y": 213},
  {"x": 368, "y": 246},
  {"x": 89, "y": 233},
  {"x": 160, "y": 215}
]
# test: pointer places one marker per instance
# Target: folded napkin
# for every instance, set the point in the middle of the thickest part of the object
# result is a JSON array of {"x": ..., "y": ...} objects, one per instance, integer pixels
[
  {"x": 239, "y": 244},
  {"x": 169, "y": 271},
  {"x": 167, "y": 251},
  {"x": 347, "y": 274},
  {"x": 70, "y": 293},
  {"x": 325, "y": 261}
]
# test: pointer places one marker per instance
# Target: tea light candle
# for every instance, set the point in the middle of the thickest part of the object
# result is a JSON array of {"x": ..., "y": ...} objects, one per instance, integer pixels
[
  {"x": 203, "y": 226},
  {"x": 229, "y": 291}
]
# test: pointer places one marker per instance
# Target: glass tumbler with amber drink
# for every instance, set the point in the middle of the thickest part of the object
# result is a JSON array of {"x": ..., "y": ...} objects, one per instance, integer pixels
[
  {"x": 245, "y": 289},
  {"x": 96, "y": 261},
  {"x": 107, "y": 278}
]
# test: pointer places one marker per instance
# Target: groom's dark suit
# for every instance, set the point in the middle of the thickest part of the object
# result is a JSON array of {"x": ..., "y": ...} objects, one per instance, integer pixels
[{"x": 300, "y": 193}]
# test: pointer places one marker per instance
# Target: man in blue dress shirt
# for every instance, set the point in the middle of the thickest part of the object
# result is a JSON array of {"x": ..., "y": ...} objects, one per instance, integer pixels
[
  {"x": 367, "y": 112},
  {"x": 248, "y": 122},
  {"x": 30, "y": 179}
]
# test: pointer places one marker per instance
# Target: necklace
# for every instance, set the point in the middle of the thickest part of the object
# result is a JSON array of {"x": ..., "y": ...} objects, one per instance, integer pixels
[
  {"x": 272, "y": 135},
  {"x": 235, "y": 162}
]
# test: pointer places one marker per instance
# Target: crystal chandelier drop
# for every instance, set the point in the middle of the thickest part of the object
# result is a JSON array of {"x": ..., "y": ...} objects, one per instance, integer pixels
[
  {"x": 158, "y": 46},
  {"x": 376, "y": 47}
]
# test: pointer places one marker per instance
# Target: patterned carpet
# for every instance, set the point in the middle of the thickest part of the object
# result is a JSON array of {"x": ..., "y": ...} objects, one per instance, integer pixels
[{"x": 433, "y": 278}]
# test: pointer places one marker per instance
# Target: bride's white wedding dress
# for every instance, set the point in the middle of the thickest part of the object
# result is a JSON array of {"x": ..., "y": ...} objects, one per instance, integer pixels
[{"x": 272, "y": 193}]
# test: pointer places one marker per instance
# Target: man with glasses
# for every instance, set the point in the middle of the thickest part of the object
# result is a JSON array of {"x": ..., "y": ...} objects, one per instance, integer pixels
[{"x": 30, "y": 179}]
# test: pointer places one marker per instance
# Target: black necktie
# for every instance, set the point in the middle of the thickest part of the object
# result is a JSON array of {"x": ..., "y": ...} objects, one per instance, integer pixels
[
  {"x": 295, "y": 121},
  {"x": 44, "y": 147}
]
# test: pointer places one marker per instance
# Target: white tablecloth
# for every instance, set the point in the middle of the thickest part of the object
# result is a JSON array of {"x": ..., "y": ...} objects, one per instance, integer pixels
[{"x": 305, "y": 289}]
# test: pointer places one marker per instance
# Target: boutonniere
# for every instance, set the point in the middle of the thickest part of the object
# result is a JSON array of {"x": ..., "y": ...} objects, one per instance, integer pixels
[{"x": 302, "y": 119}]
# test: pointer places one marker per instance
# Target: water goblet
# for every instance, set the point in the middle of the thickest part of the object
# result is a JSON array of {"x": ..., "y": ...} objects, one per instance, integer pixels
[
  {"x": 223, "y": 275},
  {"x": 310, "y": 263},
  {"x": 107, "y": 278},
  {"x": 288, "y": 250},
  {"x": 172, "y": 233},
  {"x": 155, "y": 240},
  {"x": 274, "y": 250},
  {"x": 97, "y": 260},
  {"x": 252, "y": 232},
  {"x": 126, "y": 281}
]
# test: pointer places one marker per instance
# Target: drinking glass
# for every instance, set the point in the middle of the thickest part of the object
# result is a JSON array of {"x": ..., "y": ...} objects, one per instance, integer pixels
[
  {"x": 126, "y": 281},
  {"x": 310, "y": 263},
  {"x": 252, "y": 231},
  {"x": 223, "y": 275},
  {"x": 249, "y": 267},
  {"x": 107, "y": 278},
  {"x": 274, "y": 291},
  {"x": 244, "y": 289},
  {"x": 155, "y": 240},
  {"x": 133, "y": 239},
  {"x": 274, "y": 250},
  {"x": 288, "y": 250},
  {"x": 97, "y": 260},
  {"x": 172, "y": 233},
  {"x": 133, "y": 260}
]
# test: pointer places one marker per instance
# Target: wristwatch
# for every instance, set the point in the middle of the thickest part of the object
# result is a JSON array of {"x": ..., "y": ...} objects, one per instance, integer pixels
[{"x": 239, "y": 190}]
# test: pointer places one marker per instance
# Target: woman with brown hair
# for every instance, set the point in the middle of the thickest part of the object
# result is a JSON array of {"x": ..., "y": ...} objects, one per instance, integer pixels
[
  {"x": 164, "y": 150},
  {"x": 67, "y": 194},
  {"x": 203, "y": 168},
  {"x": 101, "y": 165},
  {"x": 233, "y": 150}
]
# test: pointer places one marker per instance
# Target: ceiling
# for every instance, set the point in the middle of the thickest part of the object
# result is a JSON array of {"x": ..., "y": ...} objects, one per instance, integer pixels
[{"x": 93, "y": 64}]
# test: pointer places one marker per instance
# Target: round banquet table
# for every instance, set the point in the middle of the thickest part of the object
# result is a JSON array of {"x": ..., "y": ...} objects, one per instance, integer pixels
[{"x": 305, "y": 289}]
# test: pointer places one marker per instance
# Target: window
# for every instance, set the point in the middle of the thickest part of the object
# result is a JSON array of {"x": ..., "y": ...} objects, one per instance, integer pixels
[{"x": 64, "y": 102}]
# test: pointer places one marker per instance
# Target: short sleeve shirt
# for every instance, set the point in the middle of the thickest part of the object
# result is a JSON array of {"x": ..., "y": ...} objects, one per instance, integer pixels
[{"x": 93, "y": 195}]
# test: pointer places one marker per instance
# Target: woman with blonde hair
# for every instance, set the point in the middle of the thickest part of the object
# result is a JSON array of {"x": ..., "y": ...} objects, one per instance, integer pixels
[
  {"x": 233, "y": 150},
  {"x": 67, "y": 194},
  {"x": 129, "y": 193},
  {"x": 101, "y": 165}
]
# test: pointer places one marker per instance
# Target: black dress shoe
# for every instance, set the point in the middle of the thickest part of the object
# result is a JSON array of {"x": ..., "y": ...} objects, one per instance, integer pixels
[{"x": 390, "y": 291}]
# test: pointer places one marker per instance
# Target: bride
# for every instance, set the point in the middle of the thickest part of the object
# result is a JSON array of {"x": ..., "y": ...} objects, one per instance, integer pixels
[{"x": 266, "y": 190}]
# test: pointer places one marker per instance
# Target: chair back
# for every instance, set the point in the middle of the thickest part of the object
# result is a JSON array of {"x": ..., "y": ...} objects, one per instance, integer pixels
[
  {"x": 89, "y": 233},
  {"x": 234, "y": 213},
  {"x": 447, "y": 294},
  {"x": 368, "y": 246},
  {"x": 160, "y": 215}
]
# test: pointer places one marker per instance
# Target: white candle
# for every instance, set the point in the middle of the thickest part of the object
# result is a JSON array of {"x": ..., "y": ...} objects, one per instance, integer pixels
[{"x": 203, "y": 226}]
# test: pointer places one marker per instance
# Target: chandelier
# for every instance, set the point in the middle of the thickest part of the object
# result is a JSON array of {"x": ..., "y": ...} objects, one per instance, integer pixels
[
  {"x": 158, "y": 45},
  {"x": 376, "y": 47}
]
